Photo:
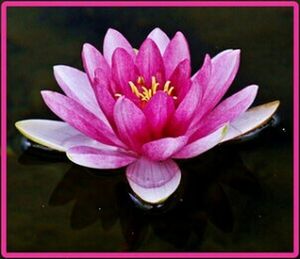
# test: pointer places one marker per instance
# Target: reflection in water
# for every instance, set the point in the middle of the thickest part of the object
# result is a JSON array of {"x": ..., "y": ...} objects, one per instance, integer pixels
[
  {"x": 94, "y": 197},
  {"x": 200, "y": 200}
]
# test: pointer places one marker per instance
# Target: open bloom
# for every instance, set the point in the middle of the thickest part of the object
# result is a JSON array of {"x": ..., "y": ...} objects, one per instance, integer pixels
[{"x": 143, "y": 109}]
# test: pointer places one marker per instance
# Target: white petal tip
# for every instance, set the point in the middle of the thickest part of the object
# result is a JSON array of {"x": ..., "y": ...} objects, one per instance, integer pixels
[
  {"x": 30, "y": 129},
  {"x": 58, "y": 68},
  {"x": 152, "y": 181},
  {"x": 56, "y": 135},
  {"x": 156, "y": 195},
  {"x": 251, "y": 120},
  {"x": 111, "y": 30}
]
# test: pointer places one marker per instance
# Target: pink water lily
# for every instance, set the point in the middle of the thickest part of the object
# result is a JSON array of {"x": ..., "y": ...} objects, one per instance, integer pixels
[{"x": 143, "y": 109}]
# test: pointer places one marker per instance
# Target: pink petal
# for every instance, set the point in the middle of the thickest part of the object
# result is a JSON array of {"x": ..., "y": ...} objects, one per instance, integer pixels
[
  {"x": 164, "y": 148},
  {"x": 150, "y": 63},
  {"x": 180, "y": 79},
  {"x": 153, "y": 181},
  {"x": 251, "y": 120},
  {"x": 131, "y": 123},
  {"x": 160, "y": 38},
  {"x": 76, "y": 85},
  {"x": 123, "y": 71},
  {"x": 98, "y": 158},
  {"x": 104, "y": 96},
  {"x": 224, "y": 68},
  {"x": 176, "y": 51},
  {"x": 83, "y": 140},
  {"x": 202, "y": 145},
  {"x": 227, "y": 110},
  {"x": 80, "y": 118},
  {"x": 92, "y": 60},
  {"x": 203, "y": 75},
  {"x": 113, "y": 40},
  {"x": 185, "y": 111},
  {"x": 158, "y": 112}
]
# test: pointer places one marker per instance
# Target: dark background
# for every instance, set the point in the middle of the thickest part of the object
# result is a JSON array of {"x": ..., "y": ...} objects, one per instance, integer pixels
[{"x": 236, "y": 197}]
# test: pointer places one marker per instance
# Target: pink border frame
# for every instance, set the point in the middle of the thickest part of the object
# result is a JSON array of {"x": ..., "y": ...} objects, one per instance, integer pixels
[{"x": 6, "y": 4}]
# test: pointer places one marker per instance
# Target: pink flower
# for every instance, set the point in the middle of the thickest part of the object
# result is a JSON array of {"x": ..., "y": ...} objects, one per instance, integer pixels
[{"x": 143, "y": 109}]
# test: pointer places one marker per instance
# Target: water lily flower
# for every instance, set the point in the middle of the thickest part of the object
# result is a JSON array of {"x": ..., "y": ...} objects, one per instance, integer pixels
[{"x": 141, "y": 109}]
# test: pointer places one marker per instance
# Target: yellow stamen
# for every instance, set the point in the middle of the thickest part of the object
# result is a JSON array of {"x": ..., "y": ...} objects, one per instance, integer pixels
[
  {"x": 153, "y": 80},
  {"x": 166, "y": 86},
  {"x": 154, "y": 85},
  {"x": 140, "y": 80},
  {"x": 154, "y": 88},
  {"x": 118, "y": 95},
  {"x": 134, "y": 88},
  {"x": 145, "y": 93},
  {"x": 170, "y": 90}
]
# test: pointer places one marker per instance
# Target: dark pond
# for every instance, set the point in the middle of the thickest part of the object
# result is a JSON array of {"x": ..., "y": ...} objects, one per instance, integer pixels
[{"x": 236, "y": 197}]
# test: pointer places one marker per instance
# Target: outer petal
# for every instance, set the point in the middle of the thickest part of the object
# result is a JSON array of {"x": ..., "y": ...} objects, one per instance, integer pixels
[
  {"x": 92, "y": 60},
  {"x": 227, "y": 111},
  {"x": 123, "y": 71},
  {"x": 160, "y": 38},
  {"x": 224, "y": 68},
  {"x": 76, "y": 85},
  {"x": 150, "y": 63},
  {"x": 158, "y": 112},
  {"x": 251, "y": 120},
  {"x": 180, "y": 78},
  {"x": 56, "y": 135},
  {"x": 80, "y": 118},
  {"x": 113, "y": 40},
  {"x": 99, "y": 159},
  {"x": 164, "y": 148},
  {"x": 202, "y": 145},
  {"x": 185, "y": 111},
  {"x": 176, "y": 51},
  {"x": 153, "y": 181},
  {"x": 131, "y": 123}
]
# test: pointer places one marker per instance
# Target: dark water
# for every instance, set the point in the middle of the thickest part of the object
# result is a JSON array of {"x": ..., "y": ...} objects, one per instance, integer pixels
[{"x": 236, "y": 197}]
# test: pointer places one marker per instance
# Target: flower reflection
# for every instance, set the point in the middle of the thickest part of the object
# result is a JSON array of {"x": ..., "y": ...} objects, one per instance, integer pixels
[{"x": 203, "y": 198}]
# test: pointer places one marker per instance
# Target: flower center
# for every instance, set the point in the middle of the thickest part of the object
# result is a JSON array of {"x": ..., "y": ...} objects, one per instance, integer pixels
[{"x": 144, "y": 93}]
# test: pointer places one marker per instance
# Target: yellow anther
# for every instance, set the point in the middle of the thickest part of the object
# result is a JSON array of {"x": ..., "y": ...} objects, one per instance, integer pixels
[
  {"x": 154, "y": 88},
  {"x": 145, "y": 93},
  {"x": 153, "y": 80},
  {"x": 133, "y": 88},
  {"x": 166, "y": 86},
  {"x": 140, "y": 80},
  {"x": 170, "y": 90}
]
